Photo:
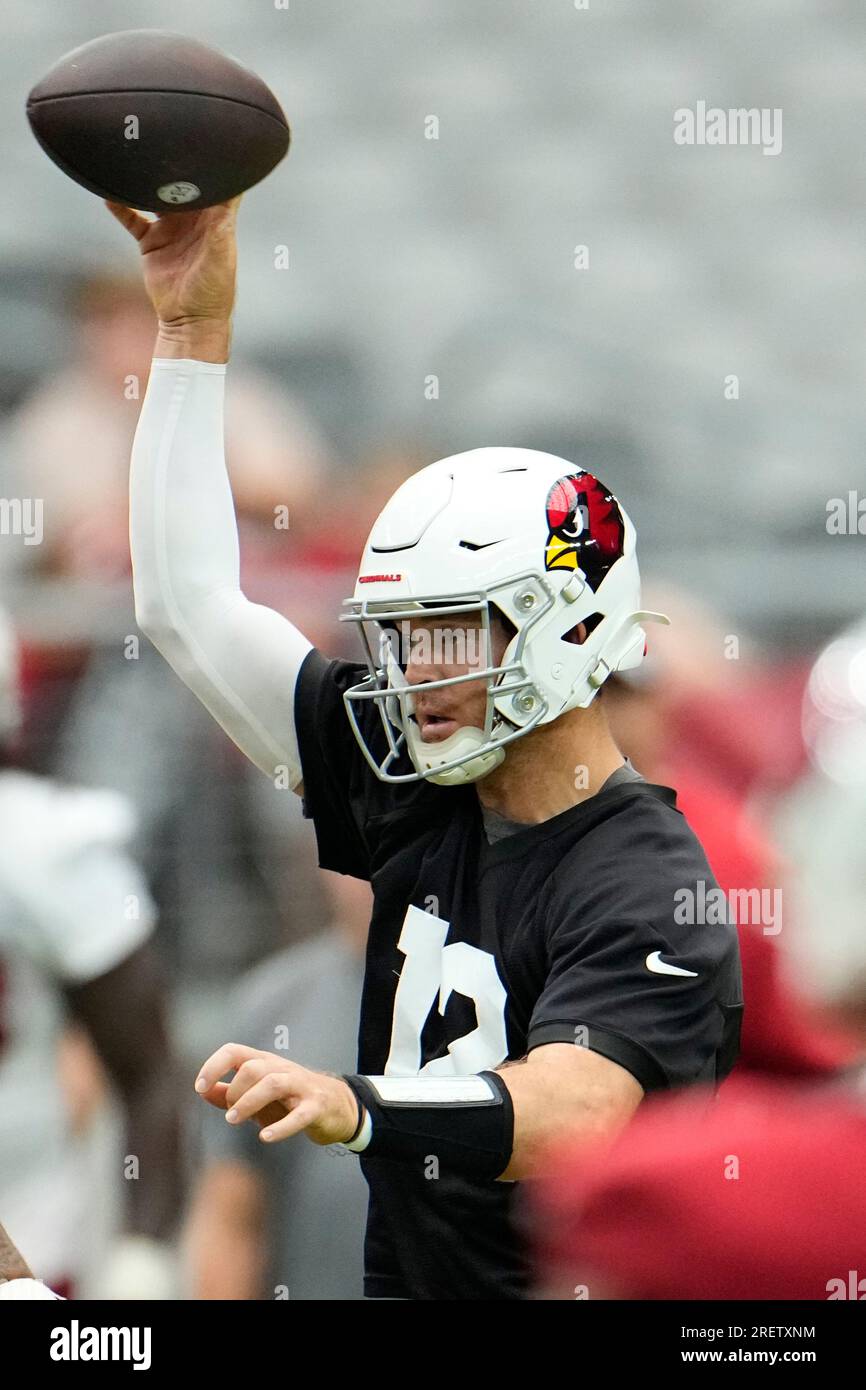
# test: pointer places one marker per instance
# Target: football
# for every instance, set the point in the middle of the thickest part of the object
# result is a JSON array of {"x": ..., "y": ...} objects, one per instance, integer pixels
[{"x": 157, "y": 121}]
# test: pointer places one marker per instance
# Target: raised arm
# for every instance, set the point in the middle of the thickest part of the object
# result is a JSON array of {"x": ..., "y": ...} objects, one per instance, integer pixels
[{"x": 240, "y": 658}]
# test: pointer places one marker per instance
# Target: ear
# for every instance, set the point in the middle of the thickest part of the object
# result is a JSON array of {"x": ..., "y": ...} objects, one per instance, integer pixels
[
  {"x": 502, "y": 632},
  {"x": 577, "y": 635}
]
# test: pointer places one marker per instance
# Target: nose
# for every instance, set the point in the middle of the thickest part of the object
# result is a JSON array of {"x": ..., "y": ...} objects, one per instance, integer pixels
[{"x": 420, "y": 672}]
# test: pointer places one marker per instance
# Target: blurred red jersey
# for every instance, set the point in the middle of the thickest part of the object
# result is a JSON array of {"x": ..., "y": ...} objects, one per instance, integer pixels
[{"x": 780, "y": 1034}]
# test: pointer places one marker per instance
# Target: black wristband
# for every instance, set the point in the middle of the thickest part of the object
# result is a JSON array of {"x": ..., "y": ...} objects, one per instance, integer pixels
[
  {"x": 465, "y": 1122},
  {"x": 360, "y": 1125}
]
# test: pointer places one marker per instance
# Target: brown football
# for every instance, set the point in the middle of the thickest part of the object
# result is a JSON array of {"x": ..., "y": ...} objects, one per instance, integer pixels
[{"x": 158, "y": 121}]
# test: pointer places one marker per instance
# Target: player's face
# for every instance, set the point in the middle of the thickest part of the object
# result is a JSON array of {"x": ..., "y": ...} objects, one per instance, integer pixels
[{"x": 438, "y": 649}]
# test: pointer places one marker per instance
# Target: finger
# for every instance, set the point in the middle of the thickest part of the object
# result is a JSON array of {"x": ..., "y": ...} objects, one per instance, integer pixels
[
  {"x": 218, "y": 215},
  {"x": 133, "y": 221},
  {"x": 246, "y": 1076},
  {"x": 275, "y": 1086},
  {"x": 264, "y": 1083},
  {"x": 252, "y": 1071},
  {"x": 226, "y": 1058},
  {"x": 305, "y": 1113},
  {"x": 222, "y": 217},
  {"x": 217, "y": 1096}
]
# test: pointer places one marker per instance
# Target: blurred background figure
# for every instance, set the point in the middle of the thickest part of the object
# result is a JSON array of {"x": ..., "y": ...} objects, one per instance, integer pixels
[
  {"x": 692, "y": 719},
  {"x": 213, "y": 840},
  {"x": 822, "y": 827},
  {"x": 68, "y": 445},
  {"x": 76, "y": 922},
  {"x": 760, "y": 1194},
  {"x": 70, "y": 440},
  {"x": 758, "y": 1197},
  {"x": 287, "y": 1220}
]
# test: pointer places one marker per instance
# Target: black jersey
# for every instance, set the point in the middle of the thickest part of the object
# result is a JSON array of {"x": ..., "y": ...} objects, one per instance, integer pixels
[{"x": 479, "y": 952}]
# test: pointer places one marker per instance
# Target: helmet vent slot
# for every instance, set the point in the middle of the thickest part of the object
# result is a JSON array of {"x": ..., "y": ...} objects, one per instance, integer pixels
[{"x": 590, "y": 623}]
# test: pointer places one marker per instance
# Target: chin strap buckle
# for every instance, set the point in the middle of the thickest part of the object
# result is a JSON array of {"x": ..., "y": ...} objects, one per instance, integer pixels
[{"x": 597, "y": 675}]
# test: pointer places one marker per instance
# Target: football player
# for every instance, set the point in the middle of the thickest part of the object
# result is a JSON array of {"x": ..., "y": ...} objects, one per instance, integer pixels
[
  {"x": 528, "y": 969},
  {"x": 76, "y": 922}
]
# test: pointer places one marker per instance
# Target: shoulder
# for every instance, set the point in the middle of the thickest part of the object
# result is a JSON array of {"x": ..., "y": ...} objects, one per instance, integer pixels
[
  {"x": 641, "y": 817},
  {"x": 321, "y": 672},
  {"x": 360, "y": 818},
  {"x": 632, "y": 860},
  {"x": 321, "y": 718}
]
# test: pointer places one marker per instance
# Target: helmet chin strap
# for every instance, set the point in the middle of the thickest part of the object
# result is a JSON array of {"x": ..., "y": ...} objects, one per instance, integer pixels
[{"x": 428, "y": 756}]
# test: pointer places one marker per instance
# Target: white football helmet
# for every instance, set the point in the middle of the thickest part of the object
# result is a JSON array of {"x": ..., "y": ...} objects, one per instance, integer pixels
[{"x": 542, "y": 541}]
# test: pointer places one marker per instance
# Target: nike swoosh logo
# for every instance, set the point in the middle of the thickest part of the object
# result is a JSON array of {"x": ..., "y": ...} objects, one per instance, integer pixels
[{"x": 658, "y": 966}]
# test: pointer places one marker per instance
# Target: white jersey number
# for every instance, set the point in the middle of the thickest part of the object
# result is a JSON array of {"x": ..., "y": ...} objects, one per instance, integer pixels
[{"x": 433, "y": 970}]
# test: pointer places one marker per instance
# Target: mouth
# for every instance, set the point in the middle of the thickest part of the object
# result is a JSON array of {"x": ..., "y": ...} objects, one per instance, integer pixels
[{"x": 435, "y": 727}]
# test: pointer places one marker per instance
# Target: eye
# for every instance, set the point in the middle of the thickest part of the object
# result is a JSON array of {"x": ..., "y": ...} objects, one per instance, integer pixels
[{"x": 387, "y": 644}]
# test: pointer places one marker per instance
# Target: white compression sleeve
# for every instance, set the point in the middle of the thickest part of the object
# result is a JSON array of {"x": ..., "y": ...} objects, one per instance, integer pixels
[{"x": 240, "y": 658}]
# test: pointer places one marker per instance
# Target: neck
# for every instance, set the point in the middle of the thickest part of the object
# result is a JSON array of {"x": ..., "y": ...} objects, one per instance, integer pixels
[{"x": 553, "y": 768}]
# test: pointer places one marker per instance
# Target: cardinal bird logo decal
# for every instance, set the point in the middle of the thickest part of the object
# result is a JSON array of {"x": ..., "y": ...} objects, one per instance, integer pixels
[{"x": 586, "y": 530}]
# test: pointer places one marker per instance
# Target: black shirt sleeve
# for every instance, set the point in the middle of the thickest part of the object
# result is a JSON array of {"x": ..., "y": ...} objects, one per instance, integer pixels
[
  {"x": 331, "y": 763},
  {"x": 607, "y": 987},
  {"x": 344, "y": 798}
]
